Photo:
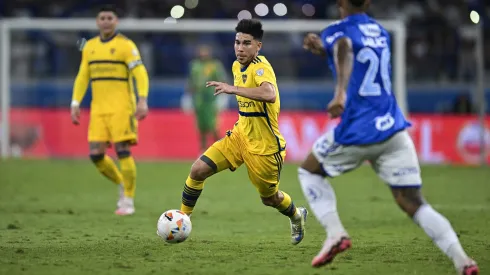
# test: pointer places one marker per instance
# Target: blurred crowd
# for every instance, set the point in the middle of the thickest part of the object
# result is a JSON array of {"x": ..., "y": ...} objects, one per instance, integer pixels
[{"x": 439, "y": 48}]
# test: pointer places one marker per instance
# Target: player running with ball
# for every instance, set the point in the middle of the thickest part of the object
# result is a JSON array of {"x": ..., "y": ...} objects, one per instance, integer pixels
[
  {"x": 255, "y": 139},
  {"x": 373, "y": 129},
  {"x": 111, "y": 61}
]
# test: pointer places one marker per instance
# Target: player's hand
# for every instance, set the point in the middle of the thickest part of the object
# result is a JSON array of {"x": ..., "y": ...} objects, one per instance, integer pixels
[
  {"x": 141, "y": 109},
  {"x": 337, "y": 105},
  {"x": 75, "y": 115},
  {"x": 220, "y": 87},
  {"x": 313, "y": 43}
]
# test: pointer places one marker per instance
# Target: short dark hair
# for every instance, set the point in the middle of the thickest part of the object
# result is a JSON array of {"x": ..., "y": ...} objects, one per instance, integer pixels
[
  {"x": 357, "y": 3},
  {"x": 252, "y": 27},
  {"x": 108, "y": 8}
]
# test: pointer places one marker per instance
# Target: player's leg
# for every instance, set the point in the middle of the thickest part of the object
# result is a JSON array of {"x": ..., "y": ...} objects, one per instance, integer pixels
[
  {"x": 223, "y": 154},
  {"x": 399, "y": 168},
  {"x": 327, "y": 159},
  {"x": 265, "y": 173},
  {"x": 128, "y": 171},
  {"x": 104, "y": 164},
  {"x": 123, "y": 130},
  {"x": 98, "y": 137}
]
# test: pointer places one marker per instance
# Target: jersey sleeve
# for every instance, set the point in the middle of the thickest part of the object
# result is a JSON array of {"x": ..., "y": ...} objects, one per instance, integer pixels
[
  {"x": 132, "y": 59},
  {"x": 82, "y": 79},
  {"x": 132, "y": 56},
  {"x": 263, "y": 73},
  {"x": 331, "y": 35}
]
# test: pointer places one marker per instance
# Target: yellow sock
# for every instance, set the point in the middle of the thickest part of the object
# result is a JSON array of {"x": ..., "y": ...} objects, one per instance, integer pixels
[
  {"x": 286, "y": 207},
  {"x": 192, "y": 191},
  {"x": 107, "y": 167},
  {"x": 128, "y": 171}
]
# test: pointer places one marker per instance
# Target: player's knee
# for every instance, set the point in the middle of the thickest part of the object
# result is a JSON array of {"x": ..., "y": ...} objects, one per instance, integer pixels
[
  {"x": 311, "y": 165},
  {"x": 408, "y": 199},
  {"x": 122, "y": 146},
  {"x": 121, "y": 154},
  {"x": 97, "y": 148},
  {"x": 203, "y": 168},
  {"x": 96, "y": 157},
  {"x": 273, "y": 200}
]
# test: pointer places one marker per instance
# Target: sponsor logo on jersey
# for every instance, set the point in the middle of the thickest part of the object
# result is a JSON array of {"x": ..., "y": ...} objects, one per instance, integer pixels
[
  {"x": 331, "y": 38},
  {"x": 406, "y": 171},
  {"x": 260, "y": 72},
  {"x": 246, "y": 104}
]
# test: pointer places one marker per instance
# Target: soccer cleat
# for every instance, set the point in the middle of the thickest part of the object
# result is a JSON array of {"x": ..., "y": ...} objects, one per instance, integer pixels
[
  {"x": 331, "y": 248},
  {"x": 470, "y": 268},
  {"x": 298, "y": 226},
  {"x": 126, "y": 207}
]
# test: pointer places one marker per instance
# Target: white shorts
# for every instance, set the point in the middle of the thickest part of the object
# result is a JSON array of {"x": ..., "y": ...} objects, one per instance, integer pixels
[{"x": 395, "y": 160}]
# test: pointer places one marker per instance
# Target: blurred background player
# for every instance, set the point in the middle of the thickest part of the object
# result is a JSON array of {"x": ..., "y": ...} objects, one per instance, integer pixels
[
  {"x": 110, "y": 61},
  {"x": 255, "y": 140},
  {"x": 373, "y": 129},
  {"x": 203, "y": 69}
]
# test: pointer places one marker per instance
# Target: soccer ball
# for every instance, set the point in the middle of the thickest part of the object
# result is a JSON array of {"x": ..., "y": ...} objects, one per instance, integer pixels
[{"x": 174, "y": 226}]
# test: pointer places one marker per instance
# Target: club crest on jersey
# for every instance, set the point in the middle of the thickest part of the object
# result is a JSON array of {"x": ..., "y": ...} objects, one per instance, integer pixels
[
  {"x": 260, "y": 72},
  {"x": 244, "y": 78},
  {"x": 113, "y": 51}
]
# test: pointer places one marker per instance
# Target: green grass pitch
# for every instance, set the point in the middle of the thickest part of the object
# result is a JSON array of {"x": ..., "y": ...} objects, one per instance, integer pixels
[{"x": 57, "y": 218}]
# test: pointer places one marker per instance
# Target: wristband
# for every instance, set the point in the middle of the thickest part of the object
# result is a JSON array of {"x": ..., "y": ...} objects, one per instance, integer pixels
[{"x": 75, "y": 103}]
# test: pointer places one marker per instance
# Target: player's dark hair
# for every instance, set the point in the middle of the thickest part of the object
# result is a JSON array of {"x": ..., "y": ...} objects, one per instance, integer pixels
[
  {"x": 357, "y": 3},
  {"x": 252, "y": 27},
  {"x": 108, "y": 8}
]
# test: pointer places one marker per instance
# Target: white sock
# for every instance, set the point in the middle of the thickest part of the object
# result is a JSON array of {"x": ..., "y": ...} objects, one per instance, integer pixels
[
  {"x": 322, "y": 201},
  {"x": 438, "y": 228}
]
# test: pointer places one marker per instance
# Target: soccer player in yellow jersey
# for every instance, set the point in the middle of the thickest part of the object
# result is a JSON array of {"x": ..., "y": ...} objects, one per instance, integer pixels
[
  {"x": 255, "y": 139},
  {"x": 111, "y": 61}
]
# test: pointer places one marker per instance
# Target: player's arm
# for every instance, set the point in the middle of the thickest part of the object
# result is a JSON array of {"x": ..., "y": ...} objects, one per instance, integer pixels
[
  {"x": 138, "y": 70},
  {"x": 81, "y": 81},
  {"x": 313, "y": 43},
  {"x": 135, "y": 65},
  {"x": 264, "y": 92},
  {"x": 343, "y": 59},
  {"x": 79, "y": 88}
]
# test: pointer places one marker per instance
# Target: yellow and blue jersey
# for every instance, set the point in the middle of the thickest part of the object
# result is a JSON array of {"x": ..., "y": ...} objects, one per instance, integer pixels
[
  {"x": 109, "y": 65},
  {"x": 258, "y": 122}
]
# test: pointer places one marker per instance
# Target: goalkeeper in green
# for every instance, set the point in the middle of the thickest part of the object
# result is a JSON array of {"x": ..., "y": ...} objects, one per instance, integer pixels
[{"x": 203, "y": 69}]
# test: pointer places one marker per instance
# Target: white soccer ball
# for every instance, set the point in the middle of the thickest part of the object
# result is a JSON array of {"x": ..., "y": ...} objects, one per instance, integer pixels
[{"x": 174, "y": 226}]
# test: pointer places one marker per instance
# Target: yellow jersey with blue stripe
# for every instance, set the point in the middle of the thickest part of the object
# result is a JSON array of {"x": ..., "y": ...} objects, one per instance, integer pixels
[
  {"x": 109, "y": 64},
  {"x": 258, "y": 123}
]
